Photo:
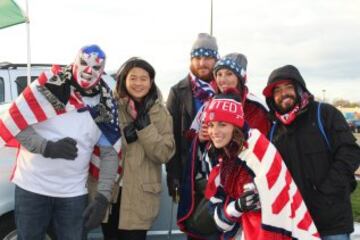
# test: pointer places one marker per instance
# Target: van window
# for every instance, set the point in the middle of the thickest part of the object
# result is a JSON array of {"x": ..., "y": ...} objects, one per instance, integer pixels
[
  {"x": 2, "y": 90},
  {"x": 21, "y": 83}
]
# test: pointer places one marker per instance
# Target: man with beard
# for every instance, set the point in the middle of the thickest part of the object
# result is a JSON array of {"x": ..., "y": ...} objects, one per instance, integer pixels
[
  {"x": 318, "y": 148},
  {"x": 59, "y": 120},
  {"x": 185, "y": 99}
]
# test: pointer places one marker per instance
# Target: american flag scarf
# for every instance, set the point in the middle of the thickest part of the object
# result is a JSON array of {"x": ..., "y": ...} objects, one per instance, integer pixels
[
  {"x": 283, "y": 210},
  {"x": 202, "y": 90},
  {"x": 53, "y": 94}
]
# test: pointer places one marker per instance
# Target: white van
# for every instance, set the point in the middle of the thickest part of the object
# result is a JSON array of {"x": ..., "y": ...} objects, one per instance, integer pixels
[{"x": 13, "y": 80}]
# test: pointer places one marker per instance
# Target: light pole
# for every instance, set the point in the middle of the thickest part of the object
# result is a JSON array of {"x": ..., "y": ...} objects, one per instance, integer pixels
[
  {"x": 323, "y": 92},
  {"x": 211, "y": 18}
]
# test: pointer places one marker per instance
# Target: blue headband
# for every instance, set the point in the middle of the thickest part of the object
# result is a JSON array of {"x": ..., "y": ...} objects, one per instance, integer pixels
[{"x": 204, "y": 52}]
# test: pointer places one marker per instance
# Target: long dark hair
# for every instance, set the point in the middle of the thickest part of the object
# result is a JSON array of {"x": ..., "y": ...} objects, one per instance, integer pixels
[
  {"x": 121, "y": 74},
  {"x": 234, "y": 172},
  {"x": 236, "y": 144},
  {"x": 232, "y": 149}
]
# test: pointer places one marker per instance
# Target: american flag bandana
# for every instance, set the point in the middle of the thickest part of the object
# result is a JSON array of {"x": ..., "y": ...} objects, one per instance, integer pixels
[
  {"x": 202, "y": 90},
  {"x": 44, "y": 99},
  {"x": 283, "y": 210}
]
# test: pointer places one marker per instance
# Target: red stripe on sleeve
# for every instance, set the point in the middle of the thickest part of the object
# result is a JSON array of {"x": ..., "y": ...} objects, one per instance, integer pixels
[
  {"x": 94, "y": 170},
  {"x": 96, "y": 151},
  {"x": 5, "y": 134},
  {"x": 34, "y": 105},
  {"x": 17, "y": 117}
]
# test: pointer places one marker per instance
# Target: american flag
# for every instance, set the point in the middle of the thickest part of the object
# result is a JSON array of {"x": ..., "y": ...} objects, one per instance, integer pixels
[
  {"x": 283, "y": 209},
  {"x": 32, "y": 106}
]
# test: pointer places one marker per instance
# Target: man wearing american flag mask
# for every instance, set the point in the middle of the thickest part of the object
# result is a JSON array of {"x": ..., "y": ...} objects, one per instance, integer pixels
[{"x": 58, "y": 123}]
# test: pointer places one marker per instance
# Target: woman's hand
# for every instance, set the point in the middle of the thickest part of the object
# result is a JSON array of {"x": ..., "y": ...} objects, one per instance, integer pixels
[{"x": 248, "y": 201}]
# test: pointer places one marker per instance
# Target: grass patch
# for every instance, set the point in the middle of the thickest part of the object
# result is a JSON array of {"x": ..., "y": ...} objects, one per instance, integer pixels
[{"x": 355, "y": 199}]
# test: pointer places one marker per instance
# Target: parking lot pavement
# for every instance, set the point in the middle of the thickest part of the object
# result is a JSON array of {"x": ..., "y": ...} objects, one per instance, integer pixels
[
  {"x": 97, "y": 235},
  {"x": 354, "y": 236},
  {"x": 173, "y": 237},
  {"x": 356, "y": 233}
]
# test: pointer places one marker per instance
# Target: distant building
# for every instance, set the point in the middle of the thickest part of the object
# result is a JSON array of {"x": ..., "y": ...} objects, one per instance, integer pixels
[{"x": 350, "y": 113}]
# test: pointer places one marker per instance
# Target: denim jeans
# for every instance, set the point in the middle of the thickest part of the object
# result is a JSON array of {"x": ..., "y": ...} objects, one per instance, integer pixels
[
  {"x": 35, "y": 212},
  {"x": 336, "y": 237}
]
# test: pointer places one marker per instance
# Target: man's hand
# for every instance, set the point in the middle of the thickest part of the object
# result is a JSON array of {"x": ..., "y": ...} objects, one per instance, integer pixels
[
  {"x": 203, "y": 133},
  {"x": 95, "y": 212},
  {"x": 64, "y": 148}
]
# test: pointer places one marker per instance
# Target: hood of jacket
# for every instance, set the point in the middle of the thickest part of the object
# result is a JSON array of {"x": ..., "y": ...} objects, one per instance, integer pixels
[{"x": 280, "y": 75}]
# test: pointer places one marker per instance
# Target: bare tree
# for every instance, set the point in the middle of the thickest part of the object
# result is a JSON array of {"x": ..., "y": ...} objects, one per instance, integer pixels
[{"x": 345, "y": 103}]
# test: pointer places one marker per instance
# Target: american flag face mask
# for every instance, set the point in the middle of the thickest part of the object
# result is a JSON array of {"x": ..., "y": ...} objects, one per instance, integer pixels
[{"x": 89, "y": 66}]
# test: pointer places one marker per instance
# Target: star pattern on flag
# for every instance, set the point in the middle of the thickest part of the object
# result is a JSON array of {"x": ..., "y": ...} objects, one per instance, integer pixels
[
  {"x": 233, "y": 66},
  {"x": 204, "y": 52}
]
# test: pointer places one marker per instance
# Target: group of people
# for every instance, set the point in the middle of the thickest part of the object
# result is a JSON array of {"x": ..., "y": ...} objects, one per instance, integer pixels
[
  {"x": 91, "y": 156},
  {"x": 87, "y": 156},
  {"x": 252, "y": 164}
]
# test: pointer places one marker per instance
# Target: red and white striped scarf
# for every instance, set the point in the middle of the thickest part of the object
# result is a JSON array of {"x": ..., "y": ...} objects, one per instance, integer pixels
[{"x": 32, "y": 106}]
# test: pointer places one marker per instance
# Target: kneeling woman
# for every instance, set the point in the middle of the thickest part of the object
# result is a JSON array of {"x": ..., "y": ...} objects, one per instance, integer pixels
[
  {"x": 247, "y": 172},
  {"x": 148, "y": 142}
]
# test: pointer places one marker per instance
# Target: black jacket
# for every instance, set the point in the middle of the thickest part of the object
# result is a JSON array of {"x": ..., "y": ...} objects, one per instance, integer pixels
[
  {"x": 180, "y": 104},
  {"x": 324, "y": 177}
]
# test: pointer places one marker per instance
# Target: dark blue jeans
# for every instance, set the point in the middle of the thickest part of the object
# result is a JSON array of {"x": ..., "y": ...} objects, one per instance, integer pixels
[{"x": 35, "y": 212}]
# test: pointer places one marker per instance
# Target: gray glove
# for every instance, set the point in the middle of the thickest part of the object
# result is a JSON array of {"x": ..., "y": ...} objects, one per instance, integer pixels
[
  {"x": 109, "y": 164},
  {"x": 64, "y": 148},
  {"x": 248, "y": 201},
  {"x": 95, "y": 212}
]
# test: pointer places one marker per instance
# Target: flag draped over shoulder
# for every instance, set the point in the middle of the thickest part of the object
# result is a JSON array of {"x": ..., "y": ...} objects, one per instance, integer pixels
[
  {"x": 282, "y": 207},
  {"x": 37, "y": 103},
  {"x": 284, "y": 215},
  {"x": 10, "y": 14}
]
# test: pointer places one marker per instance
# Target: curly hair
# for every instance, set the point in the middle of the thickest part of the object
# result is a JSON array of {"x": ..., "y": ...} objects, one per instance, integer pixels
[{"x": 236, "y": 144}]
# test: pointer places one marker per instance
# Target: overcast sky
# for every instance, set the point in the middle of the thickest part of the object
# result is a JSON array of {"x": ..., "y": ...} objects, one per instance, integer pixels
[{"x": 320, "y": 37}]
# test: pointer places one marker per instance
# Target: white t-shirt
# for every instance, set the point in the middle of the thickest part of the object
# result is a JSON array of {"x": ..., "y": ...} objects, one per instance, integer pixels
[{"x": 59, "y": 177}]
